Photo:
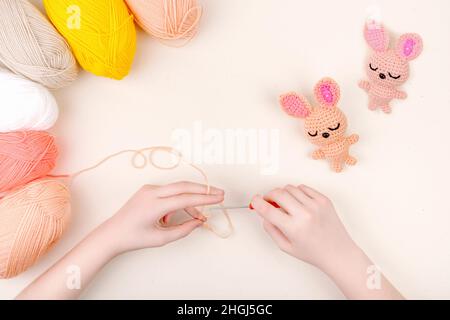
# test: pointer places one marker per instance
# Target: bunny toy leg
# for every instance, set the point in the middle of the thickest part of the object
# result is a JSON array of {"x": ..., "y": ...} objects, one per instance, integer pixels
[
  {"x": 337, "y": 165},
  {"x": 386, "y": 108},
  {"x": 318, "y": 154},
  {"x": 374, "y": 103}
]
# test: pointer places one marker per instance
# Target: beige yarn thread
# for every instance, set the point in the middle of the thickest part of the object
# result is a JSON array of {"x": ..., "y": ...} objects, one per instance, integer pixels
[{"x": 31, "y": 46}]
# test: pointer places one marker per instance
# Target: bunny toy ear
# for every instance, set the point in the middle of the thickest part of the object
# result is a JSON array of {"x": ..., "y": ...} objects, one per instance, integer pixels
[
  {"x": 409, "y": 46},
  {"x": 376, "y": 36},
  {"x": 327, "y": 93},
  {"x": 295, "y": 105}
]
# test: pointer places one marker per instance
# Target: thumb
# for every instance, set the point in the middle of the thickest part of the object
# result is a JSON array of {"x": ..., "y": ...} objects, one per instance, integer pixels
[{"x": 182, "y": 230}]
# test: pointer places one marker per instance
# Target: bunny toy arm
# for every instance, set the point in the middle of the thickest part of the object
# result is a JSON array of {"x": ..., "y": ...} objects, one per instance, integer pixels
[
  {"x": 365, "y": 85},
  {"x": 353, "y": 139},
  {"x": 400, "y": 95}
]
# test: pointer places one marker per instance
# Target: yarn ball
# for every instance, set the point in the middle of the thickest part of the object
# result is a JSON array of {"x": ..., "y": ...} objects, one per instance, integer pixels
[
  {"x": 32, "y": 219},
  {"x": 30, "y": 45},
  {"x": 167, "y": 19},
  {"x": 26, "y": 105},
  {"x": 25, "y": 156},
  {"x": 101, "y": 33}
]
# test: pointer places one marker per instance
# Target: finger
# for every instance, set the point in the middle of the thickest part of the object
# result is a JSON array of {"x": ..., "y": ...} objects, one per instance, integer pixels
[
  {"x": 299, "y": 194},
  {"x": 192, "y": 212},
  {"x": 313, "y": 194},
  {"x": 277, "y": 236},
  {"x": 183, "y": 201},
  {"x": 268, "y": 212},
  {"x": 285, "y": 200},
  {"x": 186, "y": 187},
  {"x": 175, "y": 233},
  {"x": 165, "y": 220}
]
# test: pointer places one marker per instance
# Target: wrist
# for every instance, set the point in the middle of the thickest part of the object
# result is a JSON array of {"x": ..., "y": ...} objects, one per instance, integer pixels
[
  {"x": 344, "y": 259},
  {"x": 107, "y": 239}
]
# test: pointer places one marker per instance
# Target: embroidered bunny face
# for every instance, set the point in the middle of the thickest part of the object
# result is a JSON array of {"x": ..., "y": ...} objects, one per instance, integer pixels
[
  {"x": 386, "y": 69},
  {"x": 390, "y": 67},
  {"x": 325, "y": 124}
]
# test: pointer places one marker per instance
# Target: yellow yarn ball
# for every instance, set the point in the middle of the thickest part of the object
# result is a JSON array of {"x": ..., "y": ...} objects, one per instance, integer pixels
[{"x": 101, "y": 33}]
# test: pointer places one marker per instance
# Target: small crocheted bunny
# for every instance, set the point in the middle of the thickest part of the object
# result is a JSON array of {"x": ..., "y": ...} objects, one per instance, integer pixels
[
  {"x": 325, "y": 125},
  {"x": 387, "y": 69}
]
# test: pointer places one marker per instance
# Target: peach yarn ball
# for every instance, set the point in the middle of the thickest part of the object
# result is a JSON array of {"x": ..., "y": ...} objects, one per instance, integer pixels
[
  {"x": 32, "y": 47},
  {"x": 167, "y": 19},
  {"x": 24, "y": 157},
  {"x": 32, "y": 220}
]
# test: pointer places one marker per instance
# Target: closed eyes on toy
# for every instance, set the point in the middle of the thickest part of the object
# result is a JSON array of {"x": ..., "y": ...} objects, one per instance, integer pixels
[
  {"x": 394, "y": 77},
  {"x": 336, "y": 128},
  {"x": 313, "y": 135},
  {"x": 372, "y": 68}
]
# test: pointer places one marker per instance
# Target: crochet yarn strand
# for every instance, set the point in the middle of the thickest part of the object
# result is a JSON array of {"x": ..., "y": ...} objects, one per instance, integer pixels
[{"x": 140, "y": 154}]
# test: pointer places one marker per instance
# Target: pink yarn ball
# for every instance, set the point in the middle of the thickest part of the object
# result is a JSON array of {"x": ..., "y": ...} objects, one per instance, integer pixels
[{"x": 24, "y": 157}]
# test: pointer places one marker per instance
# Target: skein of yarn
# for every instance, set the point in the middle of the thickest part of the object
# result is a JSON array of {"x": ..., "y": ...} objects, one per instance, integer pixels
[
  {"x": 24, "y": 157},
  {"x": 101, "y": 33},
  {"x": 167, "y": 19},
  {"x": 26, "y": 105},
  {"x": 32, "y": 220},
  {"x": 30, "y": 46}
]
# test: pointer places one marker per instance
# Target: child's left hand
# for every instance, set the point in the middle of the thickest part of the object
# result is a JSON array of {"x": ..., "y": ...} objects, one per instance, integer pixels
[{"x": 137, "y": 224}]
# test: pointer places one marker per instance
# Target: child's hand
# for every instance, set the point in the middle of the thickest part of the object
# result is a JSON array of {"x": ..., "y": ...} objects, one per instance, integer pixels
[
  {"x": 307, "y": 227},
  {"x": 137, "y": 226}
]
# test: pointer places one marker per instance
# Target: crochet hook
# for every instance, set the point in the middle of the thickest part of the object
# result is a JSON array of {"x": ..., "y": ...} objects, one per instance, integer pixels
[{"x": 246, "y": 207}]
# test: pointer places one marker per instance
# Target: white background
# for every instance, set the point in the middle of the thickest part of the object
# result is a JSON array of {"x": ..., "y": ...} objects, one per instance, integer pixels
[{"x": 395, "y": 203}]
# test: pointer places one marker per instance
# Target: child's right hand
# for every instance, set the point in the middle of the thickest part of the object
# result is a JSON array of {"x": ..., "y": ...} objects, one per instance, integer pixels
[{"x": 307, "y": 227}]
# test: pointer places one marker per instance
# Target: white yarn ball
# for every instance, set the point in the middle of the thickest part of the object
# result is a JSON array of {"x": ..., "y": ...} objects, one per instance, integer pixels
[{"x": 25, "y": 105}]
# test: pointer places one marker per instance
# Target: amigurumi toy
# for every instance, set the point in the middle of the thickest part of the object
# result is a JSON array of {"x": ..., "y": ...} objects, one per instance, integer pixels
[
  {"x": 387, "y": 68},
  {"x": 325, "y": 125}
]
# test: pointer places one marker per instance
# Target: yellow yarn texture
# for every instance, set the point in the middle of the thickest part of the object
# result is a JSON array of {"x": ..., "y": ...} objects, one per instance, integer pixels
[{"x": 101, "y": 33}]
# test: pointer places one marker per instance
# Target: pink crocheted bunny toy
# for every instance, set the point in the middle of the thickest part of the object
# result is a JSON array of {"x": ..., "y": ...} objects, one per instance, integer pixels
[
  {"x": 387, "y": 68},
  {"x": 325, "y": 125}
]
